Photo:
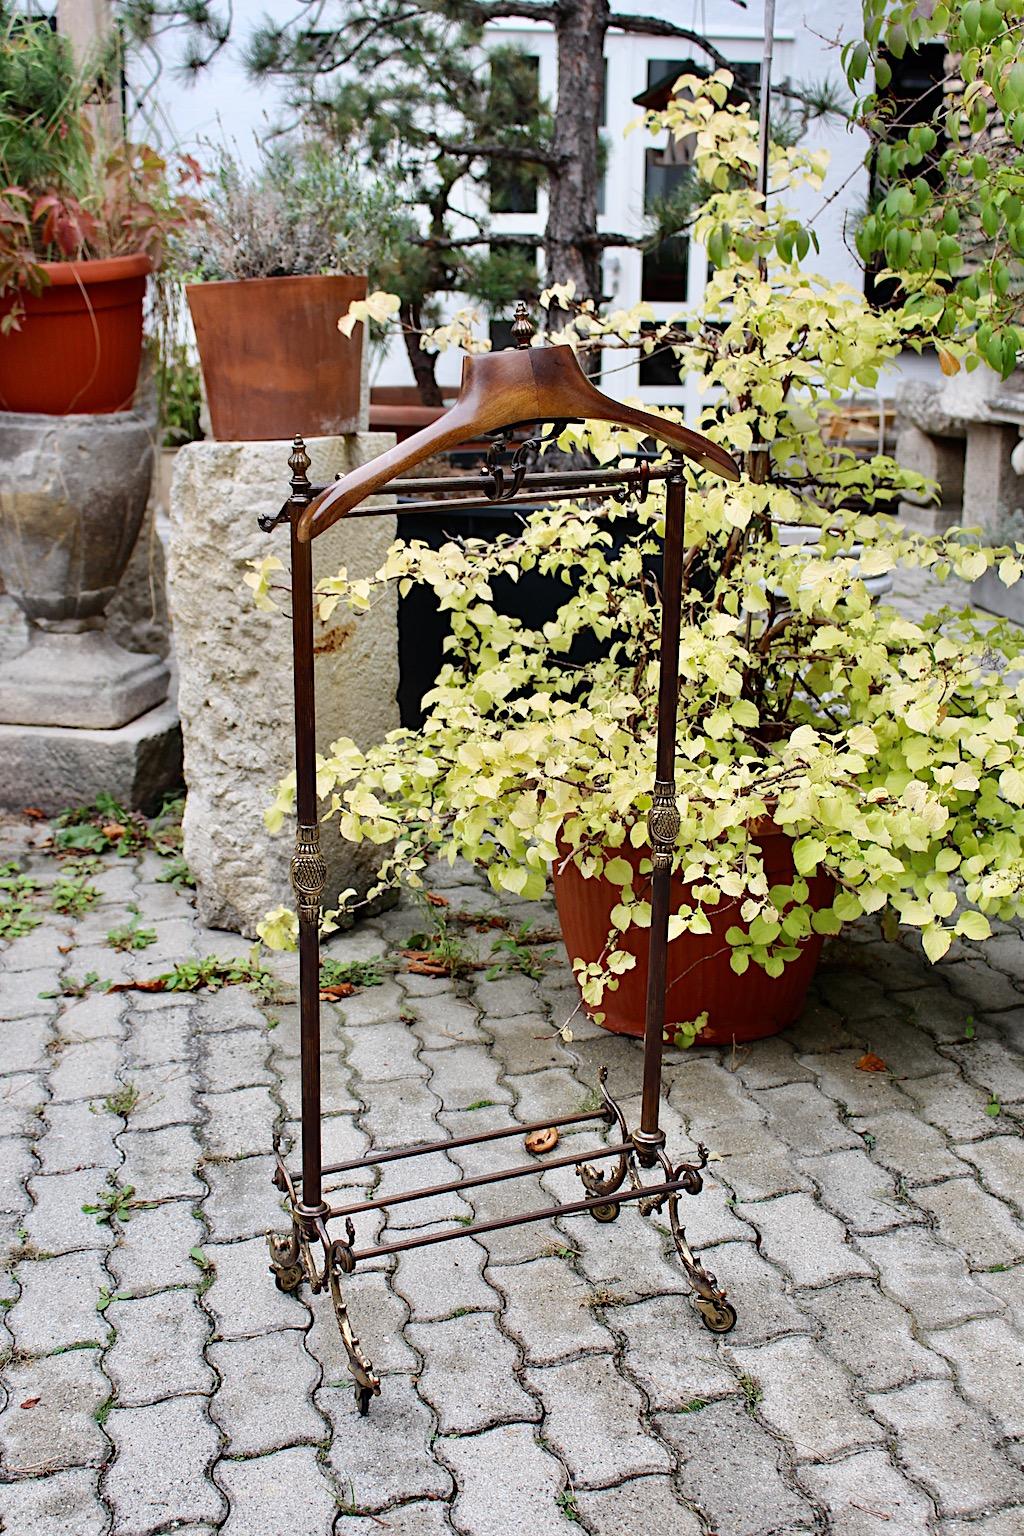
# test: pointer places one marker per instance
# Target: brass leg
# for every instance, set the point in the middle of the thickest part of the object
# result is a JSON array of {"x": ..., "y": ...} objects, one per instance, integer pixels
[
  {"x": 716, "y": 1313},
  {"x": 338, "y": 1262}
]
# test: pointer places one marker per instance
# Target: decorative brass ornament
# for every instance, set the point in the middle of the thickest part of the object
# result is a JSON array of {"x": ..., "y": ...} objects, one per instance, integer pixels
[
  {"x": 309, "y": 872},
  {"x": 663, "y": 823}
]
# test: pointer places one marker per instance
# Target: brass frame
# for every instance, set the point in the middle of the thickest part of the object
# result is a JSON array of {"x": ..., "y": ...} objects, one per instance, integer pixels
[{"x": 309, "y": 1252}]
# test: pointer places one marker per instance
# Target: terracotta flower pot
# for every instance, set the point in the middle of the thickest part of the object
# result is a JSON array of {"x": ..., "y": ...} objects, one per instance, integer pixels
[
  {"x": 274, "y": 362},
  {"x": 80, "y": 340},
  {"x": 746, "y": 1007}
]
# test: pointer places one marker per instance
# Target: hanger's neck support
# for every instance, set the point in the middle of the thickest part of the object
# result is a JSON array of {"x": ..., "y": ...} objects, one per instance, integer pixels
[{"x": 500, "y": 389}]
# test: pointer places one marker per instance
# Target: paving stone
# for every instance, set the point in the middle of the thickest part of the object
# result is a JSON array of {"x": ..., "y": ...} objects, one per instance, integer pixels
[
  {"x": 805, "y": 1119},
  {"x": 263, "y": 1400},
  {"x": 243, "y": 1201},
  {"x": 546, "y": 1308},
  {"x": 906, "y": 1048},
  {"x": 406, "y": 1520},
  {"x": 338, "y": 1087},
  {"x": 669, "y": 1353},
  {"x": 243, "y": 1297},
  {"x": 57, "y": 1304},
  {"x": 759, "y": 1293},
  {"x": 48, "y": 1423},
  {"x": 160, "y": 1164},
  {"x": 154, "y": 1249},
  {"x": 861, "y": 1194},
  {"x": 79, "y": 1135},
  {"x": 593, "y": 1421},
  {"x": 974, "y": 1222},
  {"x": 730, "y": 1472},
  {"x": 507, "y": 1485},
  {"x": 506, "y": 997},
  {"x": 22, "y": 1098},
  {"x": 864, "y": 1494},
  {"x": 545, "y": 1095},
  {"x": 240, "y": 1122},
  {"x": 286, "y": 1491},
  {"x": 384, "y": 1053},
  {"x": 158, "y": 1348},
  {"x": 983, "y": 988},
  {"x": 806, "y": 1398},
  {"x": 230, "y": 1008},
  {"x": 341, "y": 1140},
  {"x": 58, "y": 1505},
  {"x": 870, "y": 1335},
  {"x": 57, "y": 1223},
  {"x": 853, "y": 995},
  {"x": 468, "y": 1374},
  {"x": 988, "y": 1356},
  {"x": 859, "y": 1093},
  {"x": 373, "y": 1005},
  {"x": 16, "y": 1166},
  {"x": 1000, "y": 1161},
  {"x": 1008, "y": 1285},
  {"x": 165, "y": 1097},
  {"x": 402, "y": 1113},
  {"x": 647, "y": 1504},
  {"x": 19, "y": 992},
  {"x": 156, "y": 1037},
  {"x": 1007, "y": 1523},
  {"x": 96, "y": 1017},
  {"x": 444, "y": 1023},
  {"x": 628, "y": 1256},
  {"x": 407, "y": 1176},
  {"x": 709, "y": 1097},
  {"x": 949, "y": 1447},
  {"x": 927, "y": 1278},
  {"x": 86, "y": 1071},
  {"x": 529, "y": 1042},
  {"x": 954, "y": 1106},
  {"x": 757, "y": 1164},
  {"x": 385, "y": 1457},
  {"x": 435, "y": 1285},
  {"x": 909, "y": 1147},
  {"x": 163, "y": 1454},
  {"x": 378, "y": 1318},
  {"x": 993, "y": 1066},
  {"x": 462, "y": 1078},
  {"x": 23, "y": 1045},
  {"x": 804, "y": 1239},
  {"x": 820, "y": 1028}
]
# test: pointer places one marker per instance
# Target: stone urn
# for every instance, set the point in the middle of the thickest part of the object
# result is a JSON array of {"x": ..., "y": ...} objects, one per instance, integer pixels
[{"x": 73, "y": 492}]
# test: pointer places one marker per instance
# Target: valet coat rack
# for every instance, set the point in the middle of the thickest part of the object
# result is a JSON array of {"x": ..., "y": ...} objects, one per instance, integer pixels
[{"x": 522, "y": 386}]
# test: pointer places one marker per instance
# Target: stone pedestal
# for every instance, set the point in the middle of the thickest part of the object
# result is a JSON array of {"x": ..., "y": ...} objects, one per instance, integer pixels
[
  {"x": 992, "y": 488},
  {"x": 937, "y": 458},
  {"x": 235, "y": 690},
  {"x": 73, "y": 493}
]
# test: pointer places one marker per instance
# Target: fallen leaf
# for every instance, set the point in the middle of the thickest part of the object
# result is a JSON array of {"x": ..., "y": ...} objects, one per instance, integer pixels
[
  {"x": 113, "y": 830},
  {"x": 437, "y": 901},
  {"x": 148, "y": 984},
  {"x": 34, "y": 813},
  {"x": 871, "y": 1063},
  {"x": 30, "y": 1402},
  {"x": 542, "y": 1141},
  {"x": 422, "y": 963},
  {"x": 336, "y": 989}
]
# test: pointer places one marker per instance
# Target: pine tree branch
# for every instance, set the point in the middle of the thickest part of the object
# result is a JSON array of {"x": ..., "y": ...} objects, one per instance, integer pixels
[
  {"x": 523, "y": 155},
  {"x": 653, "y": 26},
  {"x": 531, "y": 10}
]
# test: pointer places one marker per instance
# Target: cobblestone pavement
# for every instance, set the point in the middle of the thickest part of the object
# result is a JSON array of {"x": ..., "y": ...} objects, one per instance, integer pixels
[{"x": 540, "y": 1380}]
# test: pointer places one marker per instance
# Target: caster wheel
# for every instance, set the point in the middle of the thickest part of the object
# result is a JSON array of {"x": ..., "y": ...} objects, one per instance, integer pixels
[
  {"x": 363, "y": 1397},
  {"x": 607, "y": 1212},
  {"x": 288, "y": 1280},
  {"x": 718, "y": 1317}
]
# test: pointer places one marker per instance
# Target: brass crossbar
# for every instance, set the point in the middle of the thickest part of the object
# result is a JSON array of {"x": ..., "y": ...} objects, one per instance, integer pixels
[
  {"x": 650, "y": 1191},
  {"x": 395, "y": 1154},
  {"x": 454, "y": 1186}
]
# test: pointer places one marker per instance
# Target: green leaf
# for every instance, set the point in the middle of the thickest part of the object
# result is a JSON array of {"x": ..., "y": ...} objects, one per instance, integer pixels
[{"x": 973, "y": 925}]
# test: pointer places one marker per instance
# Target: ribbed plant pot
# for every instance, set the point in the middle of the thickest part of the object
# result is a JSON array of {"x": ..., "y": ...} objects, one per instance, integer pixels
[
  {"x": 73, "y": 491},
  {"x": 700, "y": 978},
  {"x": 274, "y": 362},
  {"x": 80, "y": 340}
]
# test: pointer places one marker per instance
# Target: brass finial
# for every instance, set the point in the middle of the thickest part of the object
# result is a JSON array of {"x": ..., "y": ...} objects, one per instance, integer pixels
[
  {"x": 523, "y": 328},
  {"x": 298, "y": 462}
]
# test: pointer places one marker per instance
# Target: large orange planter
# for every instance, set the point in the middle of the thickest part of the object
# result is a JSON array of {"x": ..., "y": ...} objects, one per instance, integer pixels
[
  {"x": 274, "y": 362},
  {"x": 80, "y": 340},
  {"x": 700, "y": 978}
]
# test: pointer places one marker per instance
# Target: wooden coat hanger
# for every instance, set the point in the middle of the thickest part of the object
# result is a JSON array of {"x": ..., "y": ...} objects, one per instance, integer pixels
[{"x": 502, "y": 389}]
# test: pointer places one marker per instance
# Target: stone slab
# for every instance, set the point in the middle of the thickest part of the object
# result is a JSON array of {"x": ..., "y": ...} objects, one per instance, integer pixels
[{"x": 136, "y": 764}]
